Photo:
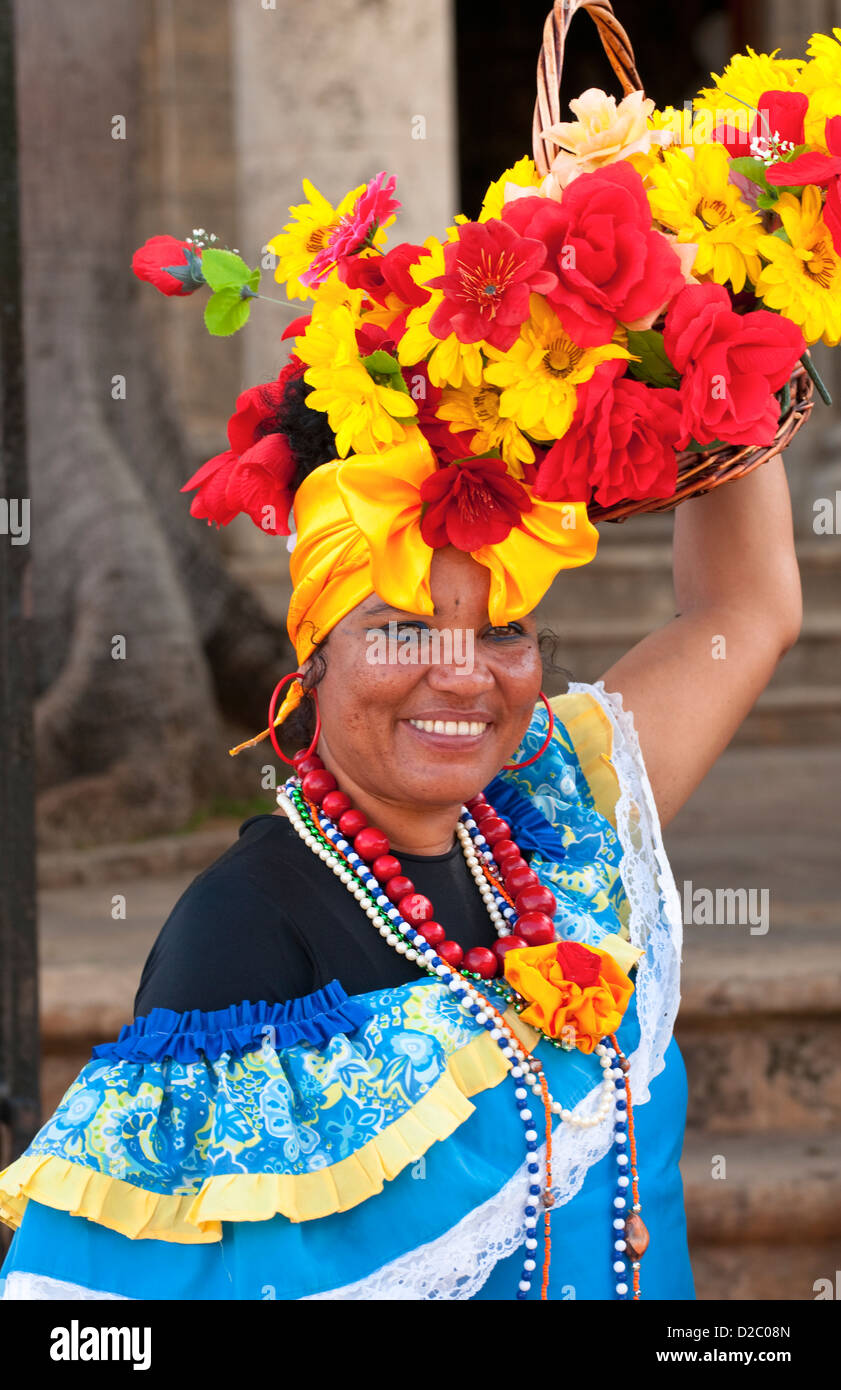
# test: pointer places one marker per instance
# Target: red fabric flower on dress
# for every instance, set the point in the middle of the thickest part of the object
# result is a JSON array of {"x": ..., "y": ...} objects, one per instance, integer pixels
[
  {"x": 356, "y": 230},
  {"x": 823, "y": 170},
  {"x": 472, "y": 503},
  {"x": 256, "y": 473},
  {"x": 491, "y": 271},
  {"x": 731, "y": 365},
  {"x": 621, "y": 443},
  {"x": 166, "y": 263},
  {"x": 611, "y": 265},
  {"x": 779, "y": 115}
]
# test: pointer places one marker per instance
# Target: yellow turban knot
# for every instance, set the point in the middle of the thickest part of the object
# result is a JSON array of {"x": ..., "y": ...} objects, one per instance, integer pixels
[{"x": 359, "y": 532}]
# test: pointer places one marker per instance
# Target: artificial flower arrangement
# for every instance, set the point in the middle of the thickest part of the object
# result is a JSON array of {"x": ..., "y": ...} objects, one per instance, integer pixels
[{"x": 648, "y": 298}]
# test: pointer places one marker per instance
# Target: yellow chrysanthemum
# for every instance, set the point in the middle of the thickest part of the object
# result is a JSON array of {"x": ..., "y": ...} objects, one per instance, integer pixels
[
  {"x": 524, "y": 174},
  {"x": 692, "y": 196},
  {"x": 312, "y": 225},
  {"x": 745, "y": 78},
  {"x": 820, "y": 81},
  {"x": 803, "y": 279},
  {"x": 477, "y": 408},
  {"x": 361, "y": 410},
  {"x": 452, "y": 363},
  {"x": 540, "y": 373}
]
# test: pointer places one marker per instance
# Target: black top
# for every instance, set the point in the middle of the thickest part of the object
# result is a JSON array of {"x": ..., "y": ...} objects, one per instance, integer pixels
[{"x": 270, "y": 920}]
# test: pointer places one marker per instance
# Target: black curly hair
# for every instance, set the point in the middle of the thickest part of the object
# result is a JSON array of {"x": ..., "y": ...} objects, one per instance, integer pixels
[{"x": 310, "y": 437}]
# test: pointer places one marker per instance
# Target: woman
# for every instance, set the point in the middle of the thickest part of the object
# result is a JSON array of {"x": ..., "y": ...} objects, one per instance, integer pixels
[{"x": 315, "y": 1099}]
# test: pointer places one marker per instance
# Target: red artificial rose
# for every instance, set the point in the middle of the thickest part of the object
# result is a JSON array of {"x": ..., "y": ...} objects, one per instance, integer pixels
[
  {"x": 166, "y": 263},
  {"x": 471, "y": 503},
  {"x": 621, "y": 443},
  {"x": 379, "y": 276},
  {"x": 256, "y": 473},
  {"x": 777, "y": 113},
  {"x": 579, "y": 965},
  {"x": 490, "y": 273},
  {"x": 731, "y": 365},
  {"x": 611, "y": 265},
  {"x": 296, "y": 327}
]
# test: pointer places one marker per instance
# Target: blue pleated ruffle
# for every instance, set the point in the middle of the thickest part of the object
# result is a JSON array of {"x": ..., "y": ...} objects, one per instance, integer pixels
[{"x": 313, "y": 1018}]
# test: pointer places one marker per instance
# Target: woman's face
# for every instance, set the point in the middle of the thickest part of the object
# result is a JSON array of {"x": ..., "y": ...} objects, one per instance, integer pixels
[{"x": 425, "y": 710}]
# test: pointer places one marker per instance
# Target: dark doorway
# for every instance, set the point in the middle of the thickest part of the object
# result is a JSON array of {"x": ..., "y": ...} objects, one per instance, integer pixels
[{"x": 497, "y": 44}]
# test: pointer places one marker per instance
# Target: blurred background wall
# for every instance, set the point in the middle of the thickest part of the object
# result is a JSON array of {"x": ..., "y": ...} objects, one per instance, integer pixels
[{"x": 227, "y": 107}]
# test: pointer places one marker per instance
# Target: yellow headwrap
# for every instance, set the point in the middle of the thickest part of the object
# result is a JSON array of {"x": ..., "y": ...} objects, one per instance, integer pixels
[{"x": 359, "y": 533}]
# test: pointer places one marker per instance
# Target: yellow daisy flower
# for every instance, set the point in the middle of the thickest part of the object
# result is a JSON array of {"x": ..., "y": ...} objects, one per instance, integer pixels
[
  {"x": 540, "y": 373},
  {"x": 803, "y": 280},
  {"x": 477, "y": 409},
  {"x": 313, "y": 222},
  {"x": 692, "y": 196},
  {"x": 523, "y": 173},
  {"x": 820, "y": 81},
  {"x": 745, "y": 78},
  {"x": 360, "y": 409},
  {"x": 452, "y": 363}
]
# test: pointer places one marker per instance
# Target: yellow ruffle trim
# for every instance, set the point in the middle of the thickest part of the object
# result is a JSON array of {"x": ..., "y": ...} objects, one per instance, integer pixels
[{"x": 196, "y": 1219}]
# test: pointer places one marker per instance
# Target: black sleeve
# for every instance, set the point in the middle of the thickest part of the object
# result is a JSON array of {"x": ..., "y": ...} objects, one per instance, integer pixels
[{"x": 226, "y": 940}]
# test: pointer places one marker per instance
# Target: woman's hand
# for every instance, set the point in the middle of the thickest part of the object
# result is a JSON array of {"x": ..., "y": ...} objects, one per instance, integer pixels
[{"x": 691, "y": 683}]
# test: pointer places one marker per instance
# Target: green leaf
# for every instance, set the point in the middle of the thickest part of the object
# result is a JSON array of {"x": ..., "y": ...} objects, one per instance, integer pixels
[
  {"x": 385, "y": 370},
  {"x": 694, "y": 447},
  {"x": 768, "y": 200},
  {"x": 653, "y": 366},
  {"x": 223, "y": 269},
  {"x": 752, "y": 169},
  {"x": 226, "y": 311}
]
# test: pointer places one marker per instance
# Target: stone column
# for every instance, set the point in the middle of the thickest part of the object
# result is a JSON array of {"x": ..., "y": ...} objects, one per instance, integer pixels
[{"x": 335, "y": 91}]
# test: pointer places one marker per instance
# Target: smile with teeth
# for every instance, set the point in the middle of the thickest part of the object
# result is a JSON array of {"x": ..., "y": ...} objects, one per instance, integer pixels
[{"x": 453, "y": 727}]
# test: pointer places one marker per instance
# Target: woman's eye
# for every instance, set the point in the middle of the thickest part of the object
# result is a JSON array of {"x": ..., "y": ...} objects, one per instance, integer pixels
[{"x": 508, "y": 630}]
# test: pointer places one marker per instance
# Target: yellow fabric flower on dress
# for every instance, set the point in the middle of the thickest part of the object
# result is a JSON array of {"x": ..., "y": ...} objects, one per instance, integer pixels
[
  {"x": 363, "y": 413},
  {"x": 452, "y": 363},
  {"x": 540, "y": 373},
  {"x": 803, "y": 280},
  {"x": 745, "y": 78},
  {"x": 575, "y": 993},
  {"x": 523, "y": 174},
  {"x": 312, "y": 225},
  {"x": 477, "y": 408},
  {"x": 691, "y": 195}
]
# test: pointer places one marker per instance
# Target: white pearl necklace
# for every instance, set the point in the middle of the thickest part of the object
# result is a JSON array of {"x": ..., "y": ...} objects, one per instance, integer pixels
[{"x": 457, "y": 984}]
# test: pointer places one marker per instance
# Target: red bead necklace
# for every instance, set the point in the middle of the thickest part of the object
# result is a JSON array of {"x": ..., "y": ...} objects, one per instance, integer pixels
[{"x": 533, "y": 903}]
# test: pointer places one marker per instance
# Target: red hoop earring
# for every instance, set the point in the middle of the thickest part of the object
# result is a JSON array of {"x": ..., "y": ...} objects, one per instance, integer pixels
[
  {"x": 295, "y": 675},
  {"x": 512, "y": 767}
]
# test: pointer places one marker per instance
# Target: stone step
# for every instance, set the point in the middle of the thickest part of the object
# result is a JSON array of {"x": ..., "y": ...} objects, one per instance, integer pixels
[
  {"x": 633, "y": 579},
  {"x": 747, "y": 1273},
  {"x": 759, "y": 1027},
  {"x": 761, "y": 1189},
  {"x": 588, "y": 646}
]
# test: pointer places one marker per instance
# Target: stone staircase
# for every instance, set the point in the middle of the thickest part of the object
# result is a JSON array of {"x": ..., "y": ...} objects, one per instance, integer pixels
[{"x": 760, "y": 1028}]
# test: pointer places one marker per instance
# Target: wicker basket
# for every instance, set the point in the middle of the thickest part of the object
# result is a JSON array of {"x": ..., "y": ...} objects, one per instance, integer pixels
[{"x": 697, "y": 472}]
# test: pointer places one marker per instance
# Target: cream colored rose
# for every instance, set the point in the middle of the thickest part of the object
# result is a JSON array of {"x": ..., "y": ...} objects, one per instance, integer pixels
[{"x": 602, "y": 134}]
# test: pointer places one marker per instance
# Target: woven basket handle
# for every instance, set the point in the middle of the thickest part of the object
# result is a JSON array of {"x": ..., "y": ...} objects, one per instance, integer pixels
[{"x": 616, "y": 44}]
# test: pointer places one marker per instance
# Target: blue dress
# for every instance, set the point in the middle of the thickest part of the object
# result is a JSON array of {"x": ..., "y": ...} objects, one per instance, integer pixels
[{"x": 369, "y": 1146}]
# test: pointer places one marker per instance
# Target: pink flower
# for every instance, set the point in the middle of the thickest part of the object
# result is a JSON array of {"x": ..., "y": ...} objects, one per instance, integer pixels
[
  {"x": 490, "y": 272},
  {"x": 356, "y": 230}
]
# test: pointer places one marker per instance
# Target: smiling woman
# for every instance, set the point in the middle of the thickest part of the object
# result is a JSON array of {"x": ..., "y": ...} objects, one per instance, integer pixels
[{"x": 410, "y": 1037}]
